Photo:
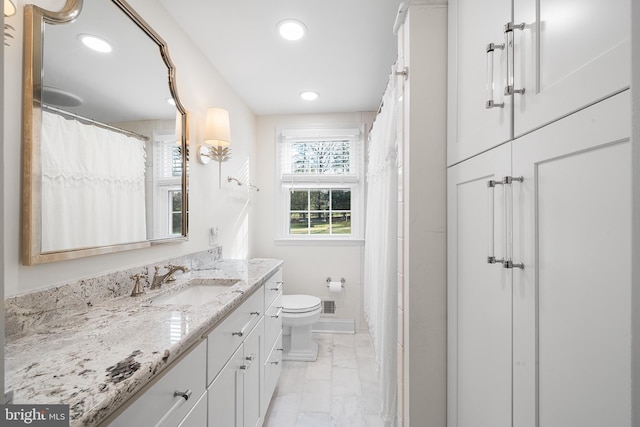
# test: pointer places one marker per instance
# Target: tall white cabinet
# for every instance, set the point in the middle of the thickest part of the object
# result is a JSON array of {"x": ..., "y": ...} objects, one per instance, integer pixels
[
  {"x": 554, "y": 57},
  {"x": 541, "y": 336}
]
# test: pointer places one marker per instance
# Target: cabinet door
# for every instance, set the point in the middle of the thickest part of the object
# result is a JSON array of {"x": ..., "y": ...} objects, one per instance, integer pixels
[
  {"x": 479, "y": 294},
  {"x": 572, "y": 230},
  {"x": 473, "y": 128},
  {"x": 197, "y": 417},
  {"x": 569, "y": 55},
  {"x": 252, "y": 377},
  {"x": 226, "y": 394}
]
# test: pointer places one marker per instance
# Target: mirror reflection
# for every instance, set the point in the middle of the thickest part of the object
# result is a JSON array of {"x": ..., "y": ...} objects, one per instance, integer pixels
[{"x": 109, "y": 132}]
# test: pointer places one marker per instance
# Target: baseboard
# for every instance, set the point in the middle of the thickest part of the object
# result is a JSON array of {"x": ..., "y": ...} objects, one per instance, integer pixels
[{"x": 335, "y": 326}]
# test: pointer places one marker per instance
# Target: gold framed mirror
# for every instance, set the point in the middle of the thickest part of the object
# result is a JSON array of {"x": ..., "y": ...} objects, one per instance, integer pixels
[{"x": 105, "y": 151}]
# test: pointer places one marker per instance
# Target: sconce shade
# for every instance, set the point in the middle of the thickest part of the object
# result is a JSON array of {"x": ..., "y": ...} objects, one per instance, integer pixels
[
  {"x": 217, "y": 131},
  {"x": 9, "y": 8}
]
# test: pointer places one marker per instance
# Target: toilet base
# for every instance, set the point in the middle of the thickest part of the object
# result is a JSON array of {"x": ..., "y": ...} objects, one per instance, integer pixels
[{"x": 293, "y": 350}]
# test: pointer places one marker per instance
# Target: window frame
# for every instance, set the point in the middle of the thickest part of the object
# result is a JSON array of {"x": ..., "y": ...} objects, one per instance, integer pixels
[
  {"x": 354, "y": 182},
  {"x": 164, "y": 185}
]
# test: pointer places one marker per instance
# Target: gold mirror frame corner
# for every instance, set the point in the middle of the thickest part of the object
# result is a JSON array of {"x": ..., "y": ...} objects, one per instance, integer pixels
[{"x": 31, "y": 226}]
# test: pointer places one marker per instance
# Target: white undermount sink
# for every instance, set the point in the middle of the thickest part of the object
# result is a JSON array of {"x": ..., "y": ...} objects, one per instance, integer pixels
[{"x": 197, "y": 292}]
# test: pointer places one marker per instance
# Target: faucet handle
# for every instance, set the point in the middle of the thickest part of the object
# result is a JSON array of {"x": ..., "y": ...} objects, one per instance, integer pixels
[{"x": 137, "y": 288}]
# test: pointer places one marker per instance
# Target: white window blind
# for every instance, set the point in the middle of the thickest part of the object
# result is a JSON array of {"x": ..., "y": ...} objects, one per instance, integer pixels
[
  {"x": 167, "y": 160},
  {"x": 320, "y": 155}
]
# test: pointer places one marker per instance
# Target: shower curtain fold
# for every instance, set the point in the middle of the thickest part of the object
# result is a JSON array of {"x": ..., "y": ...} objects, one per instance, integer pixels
[
  {"x": 380, "y": 258},
  {"x": 93, "y": 185}
]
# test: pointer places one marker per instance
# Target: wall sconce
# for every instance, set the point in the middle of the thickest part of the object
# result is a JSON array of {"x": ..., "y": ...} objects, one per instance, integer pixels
[
  {"x": 217, "y": 138},
  {"x": 9, "y": 10}
]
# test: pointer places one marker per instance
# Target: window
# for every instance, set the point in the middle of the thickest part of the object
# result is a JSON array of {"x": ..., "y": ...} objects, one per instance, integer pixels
[
  {"x": 320, "y": 179},
  {"x": 175, "y": 214},
  {"x": 167, "y": 177}
]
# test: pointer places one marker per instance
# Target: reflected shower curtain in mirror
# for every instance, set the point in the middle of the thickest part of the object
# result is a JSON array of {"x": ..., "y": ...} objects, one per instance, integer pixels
[
  {"x": 93, "y": 185},
  {"x": 380, "y": 256}
]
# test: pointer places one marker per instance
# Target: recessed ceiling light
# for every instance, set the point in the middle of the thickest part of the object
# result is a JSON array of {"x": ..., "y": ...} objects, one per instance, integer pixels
[
  {"x": 171, "y": 101},
  {"x": 309, "y": 95},
  {"x": 291, "y": 29},
  {"x": 95, "y": 43}
]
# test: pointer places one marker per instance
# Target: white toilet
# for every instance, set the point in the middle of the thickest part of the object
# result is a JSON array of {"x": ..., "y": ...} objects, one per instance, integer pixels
[{"x": 299, "y": 313}]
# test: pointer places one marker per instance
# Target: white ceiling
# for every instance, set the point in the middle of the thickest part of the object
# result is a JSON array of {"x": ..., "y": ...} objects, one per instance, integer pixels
[{"x": 346, "y": 55}]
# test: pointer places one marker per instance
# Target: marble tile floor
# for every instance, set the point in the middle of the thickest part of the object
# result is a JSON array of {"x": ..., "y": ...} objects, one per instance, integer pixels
[{"x": 340, "y": 389}]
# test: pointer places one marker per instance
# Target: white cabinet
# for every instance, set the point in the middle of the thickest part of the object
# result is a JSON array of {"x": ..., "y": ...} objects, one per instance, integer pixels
[
  {"x": 226, "y": 394},
  {"x": 571, "y": 303},
  {"x": 549, "y": 344},
  {"x": 240, "y": 351},
  {"x": 272, "y": 362},
  {"x": 558, "y": 57},
  {"x": 480, "y": 295},
  {"x": 161, "y": 402},
  {"x": 475, "y": 77},
  {"x": 232, "y": 331},
  {"x": 569, "y": 55},
  {"x": 252, "y": 376},
  {"x": 224, "y": 375},
  {"x": 234, "y": 395}
]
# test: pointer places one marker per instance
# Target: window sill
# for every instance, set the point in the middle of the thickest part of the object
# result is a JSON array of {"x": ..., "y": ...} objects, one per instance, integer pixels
[{"x": 318, "y": 241}]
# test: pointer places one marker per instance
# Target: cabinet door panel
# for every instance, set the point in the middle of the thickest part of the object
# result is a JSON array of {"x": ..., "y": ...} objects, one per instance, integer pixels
[
  {"x": 572, "y": 230},
  {"x": 253, "y": 349},
  {"x": 570, "y": 55},
  {"x": 226, "y": 394},
  {"x": 472, "y": 128},
  {"x": 479, "y": 296}
]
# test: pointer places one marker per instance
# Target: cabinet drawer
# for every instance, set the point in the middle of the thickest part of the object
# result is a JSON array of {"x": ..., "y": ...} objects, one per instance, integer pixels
[
  {"x": 272, "y": 369},
  {"x": 159, "y": 399},
  {"x": 273, "y": 321},
  {"x": 229, "y": 334},
  {"x": 273, "y": 288}
]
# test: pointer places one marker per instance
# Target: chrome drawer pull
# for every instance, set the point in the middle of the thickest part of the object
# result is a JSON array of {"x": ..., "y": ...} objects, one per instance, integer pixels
[
  {"x": 184, "y": 394},
  {"x": 277, "y": 362},
  {"x": 277, "y": 288},
  {"x": 183, "y": 397},
  {"x": 491, "y": 47},
  {"x": 242, "y": 331},
  {"x": 277, "y": 314},
  {"x": 491, "y": 258},
  {"x": 510, "y": 89}
]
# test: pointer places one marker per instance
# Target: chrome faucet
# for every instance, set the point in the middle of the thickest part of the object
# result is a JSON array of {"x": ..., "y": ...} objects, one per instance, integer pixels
[
  {"x": 158, "y": 280},
  {"x": 137, "y": 288}
]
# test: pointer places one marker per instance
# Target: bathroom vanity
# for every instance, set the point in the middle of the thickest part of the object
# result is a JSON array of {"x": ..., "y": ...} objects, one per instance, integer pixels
[{"x": 204, "y": 361}]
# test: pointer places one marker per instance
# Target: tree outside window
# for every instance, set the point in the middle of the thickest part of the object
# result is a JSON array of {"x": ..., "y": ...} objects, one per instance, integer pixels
[{"x": 320, "y": 211}]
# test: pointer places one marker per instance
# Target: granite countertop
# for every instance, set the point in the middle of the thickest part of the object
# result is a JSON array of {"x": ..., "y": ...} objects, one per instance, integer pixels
[{"x": 96, "y": 359}]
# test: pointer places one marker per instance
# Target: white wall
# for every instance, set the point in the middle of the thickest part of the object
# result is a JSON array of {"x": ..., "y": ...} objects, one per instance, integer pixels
[
  {"x": 199, "y": 87},
  {"x": 422, "y": 341},
  {"x": 306, "y": 266},
  {"x": 635, "y": 272}
]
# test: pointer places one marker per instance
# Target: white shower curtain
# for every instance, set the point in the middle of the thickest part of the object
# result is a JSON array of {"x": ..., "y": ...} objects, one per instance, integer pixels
[
  {"x": 380, "y": 259},
  {"x": 92, "y": 185}
]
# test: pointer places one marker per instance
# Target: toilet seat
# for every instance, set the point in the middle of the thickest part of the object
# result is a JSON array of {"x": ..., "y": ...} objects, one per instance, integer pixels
[{"x": 300, "y": 303}]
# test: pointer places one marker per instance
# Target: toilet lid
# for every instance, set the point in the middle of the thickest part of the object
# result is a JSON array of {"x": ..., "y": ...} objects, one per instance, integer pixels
[{"x": 299, "y": 303}]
